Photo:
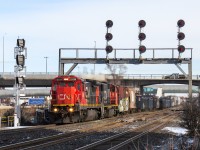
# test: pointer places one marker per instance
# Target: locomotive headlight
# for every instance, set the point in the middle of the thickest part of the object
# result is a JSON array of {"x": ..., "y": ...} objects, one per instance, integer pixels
[
  {"x": 71, "y": 109},
  {"x": 55, "y": 109}
]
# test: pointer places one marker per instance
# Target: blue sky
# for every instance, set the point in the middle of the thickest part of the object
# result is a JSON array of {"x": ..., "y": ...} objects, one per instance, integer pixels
[{"x": 48, "y": 25}]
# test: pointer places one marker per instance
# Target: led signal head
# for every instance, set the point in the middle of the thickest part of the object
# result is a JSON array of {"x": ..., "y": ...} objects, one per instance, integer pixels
[
  {"x": 142, "y": 23},
  {"x": 20, "y": 60},
  {"x": 142, "y": 49},
  {"x": 181, "y": 23},
  {"x": 109, "y": 23},
  {"x": 21, "y": 43},
  {"x": 181, "y": 48},
  {"x": 109, "y": 49}
]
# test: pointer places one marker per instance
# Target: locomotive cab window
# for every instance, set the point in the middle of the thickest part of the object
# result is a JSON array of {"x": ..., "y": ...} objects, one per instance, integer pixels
[
  {"x": 70, "y": 84},
  {"x": 62, "y": 84}
]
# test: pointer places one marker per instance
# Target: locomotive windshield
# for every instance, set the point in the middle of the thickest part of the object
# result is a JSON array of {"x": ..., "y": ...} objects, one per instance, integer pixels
[{"x": 65, "y": 83}]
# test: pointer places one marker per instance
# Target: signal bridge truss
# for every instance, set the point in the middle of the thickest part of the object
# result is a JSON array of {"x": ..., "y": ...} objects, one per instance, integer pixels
[{"x": 77, "y": 56}]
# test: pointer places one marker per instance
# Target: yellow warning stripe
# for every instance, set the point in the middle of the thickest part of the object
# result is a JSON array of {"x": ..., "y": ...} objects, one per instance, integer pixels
[{"x": 83, "y": 105}]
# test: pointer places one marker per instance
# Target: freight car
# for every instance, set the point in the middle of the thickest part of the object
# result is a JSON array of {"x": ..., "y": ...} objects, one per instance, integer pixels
[
  {"x": 75, "y": 99},
  {"x": 147, "y": 103},
  {"x": 151, "y": 102}
]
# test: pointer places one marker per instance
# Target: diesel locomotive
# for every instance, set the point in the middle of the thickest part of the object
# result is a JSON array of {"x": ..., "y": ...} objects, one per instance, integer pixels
[{"x": 75, "y": 99}]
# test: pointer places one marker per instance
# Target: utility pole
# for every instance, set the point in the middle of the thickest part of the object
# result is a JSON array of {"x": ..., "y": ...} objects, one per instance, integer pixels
[{"x": 46, "y": 63}]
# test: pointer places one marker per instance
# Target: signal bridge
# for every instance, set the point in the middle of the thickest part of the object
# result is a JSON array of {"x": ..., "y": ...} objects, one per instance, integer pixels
[{"x": 134, "y": 56}]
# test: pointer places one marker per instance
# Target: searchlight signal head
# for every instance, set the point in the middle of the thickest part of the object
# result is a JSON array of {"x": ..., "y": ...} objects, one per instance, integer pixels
[
  {"x": 109, "y": 49},
  {"x": 181, "y": 23},
  {"x": 142, "y": 36},
  {"x": 108, "y": 36},
  {"x": 142, "y": 23},
  {"x": 181, "y": 36},
  {"x": 109, "y": 23},
  {"x": 181, "y": 48},
  {"x": 142, "y": 49}
]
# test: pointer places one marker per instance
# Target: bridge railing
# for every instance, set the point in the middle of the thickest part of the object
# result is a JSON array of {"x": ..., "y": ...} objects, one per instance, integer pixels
[
  {"x": 147, "y": 76},
  {"x": 124, "y": 76}
]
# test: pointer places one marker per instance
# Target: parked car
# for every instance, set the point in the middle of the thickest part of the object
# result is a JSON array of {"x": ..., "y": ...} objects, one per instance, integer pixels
[{"x": 175, "y": 76}]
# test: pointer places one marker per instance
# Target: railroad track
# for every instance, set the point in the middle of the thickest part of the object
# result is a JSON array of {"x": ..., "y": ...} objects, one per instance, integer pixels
[
  {"x": 119, "y": 141},
  {"x": 61, "y": 138},
  {"x": 25, "y": 129}
]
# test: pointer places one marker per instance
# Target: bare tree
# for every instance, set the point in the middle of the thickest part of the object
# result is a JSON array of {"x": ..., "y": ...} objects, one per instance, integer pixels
[
  {"x": 116, "y": 71},
  {"x": 191, "y": 116}
]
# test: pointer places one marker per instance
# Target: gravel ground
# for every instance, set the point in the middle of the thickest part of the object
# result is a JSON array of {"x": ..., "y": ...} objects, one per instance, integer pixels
[
  {"x": 24, "y": 136},
  {"x": 156, "y": 141}
]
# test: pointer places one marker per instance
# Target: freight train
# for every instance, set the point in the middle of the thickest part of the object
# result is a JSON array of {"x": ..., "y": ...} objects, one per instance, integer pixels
[{"x": 75, "y": 100}]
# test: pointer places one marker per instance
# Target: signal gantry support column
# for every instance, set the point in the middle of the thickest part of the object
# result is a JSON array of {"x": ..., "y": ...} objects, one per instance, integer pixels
[{"x": 20, "y": 54}]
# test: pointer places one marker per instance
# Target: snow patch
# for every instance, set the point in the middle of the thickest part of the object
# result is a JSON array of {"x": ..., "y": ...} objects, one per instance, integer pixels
[{"x": 177, "y": 130}]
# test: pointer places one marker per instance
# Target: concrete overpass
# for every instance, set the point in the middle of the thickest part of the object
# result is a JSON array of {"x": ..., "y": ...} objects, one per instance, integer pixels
[
  {"x": 40, "y": 79},
  {"x": 26, "y": 92},
  {"x": 32, "y": 79}
]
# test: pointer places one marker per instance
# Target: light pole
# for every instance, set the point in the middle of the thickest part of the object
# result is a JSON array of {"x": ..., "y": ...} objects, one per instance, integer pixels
[
  {"x": 46, "y": 64},
  {"x": 3, "y": 54},
  {"x": 95, "y": 56}
]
